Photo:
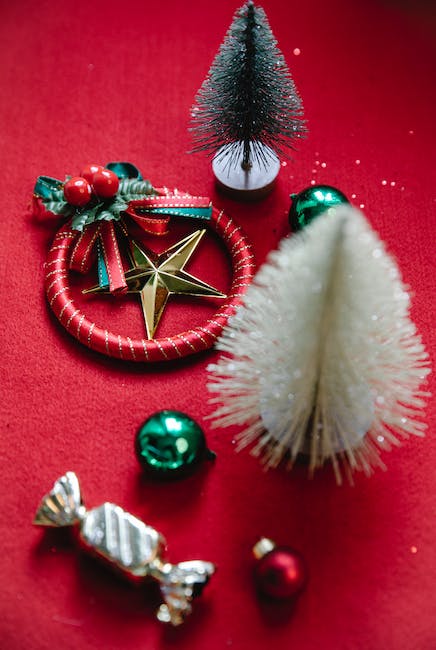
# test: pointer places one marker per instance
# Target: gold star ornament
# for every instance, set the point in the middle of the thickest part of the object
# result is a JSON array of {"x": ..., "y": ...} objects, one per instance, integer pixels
[{"x": 155, "y": 277}]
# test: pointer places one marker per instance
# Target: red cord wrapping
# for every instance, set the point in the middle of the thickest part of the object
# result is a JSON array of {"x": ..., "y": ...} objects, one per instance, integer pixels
[{"x": 149, "y": 350}]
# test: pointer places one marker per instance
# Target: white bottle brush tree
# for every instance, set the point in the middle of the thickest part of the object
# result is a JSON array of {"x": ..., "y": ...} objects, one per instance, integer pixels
[
  {"x": 322, "y": 358},
  {"x": 248, "y": 106}
]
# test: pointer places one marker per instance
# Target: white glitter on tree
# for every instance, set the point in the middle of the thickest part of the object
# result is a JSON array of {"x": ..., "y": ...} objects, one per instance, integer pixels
[{"x": 322, "y": 359}]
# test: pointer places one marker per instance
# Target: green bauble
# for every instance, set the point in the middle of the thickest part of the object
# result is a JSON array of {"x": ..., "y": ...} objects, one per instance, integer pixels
[
  {"x": 170, "y": 444},
  {"x": 311, "y": 202}
]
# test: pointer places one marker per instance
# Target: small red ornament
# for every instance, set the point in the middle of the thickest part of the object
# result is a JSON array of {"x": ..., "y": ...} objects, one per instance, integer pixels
[
  {"x": 280, "y": 572},
  {"x": 105, "y": 183},
  {"x": 89, "y": 171},
  {"x": 77, "y": 191}
]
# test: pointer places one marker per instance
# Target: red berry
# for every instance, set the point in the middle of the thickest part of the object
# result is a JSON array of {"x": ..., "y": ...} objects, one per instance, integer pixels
[
  {"x": 89, "y": 171},
  {"x": 77, "y": 191},
  {"x": 105, "y": 183}
]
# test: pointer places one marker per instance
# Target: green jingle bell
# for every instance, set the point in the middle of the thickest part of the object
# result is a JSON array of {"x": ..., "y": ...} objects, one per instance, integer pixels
[
  {"x": 311, "y": 202},
  {"x": 170, "y": 444}
]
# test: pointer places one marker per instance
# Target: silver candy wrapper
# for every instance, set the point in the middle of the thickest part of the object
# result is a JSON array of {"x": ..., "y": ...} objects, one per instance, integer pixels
[{"x": 127, "y": 543}]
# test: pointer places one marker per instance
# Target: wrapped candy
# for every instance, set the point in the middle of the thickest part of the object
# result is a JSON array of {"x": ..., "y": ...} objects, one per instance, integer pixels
[{"x": 127, "y": 543}]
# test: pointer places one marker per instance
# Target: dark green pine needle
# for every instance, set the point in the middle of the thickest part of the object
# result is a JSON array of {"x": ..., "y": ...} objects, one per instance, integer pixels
[{"x": 248, "y": 98}]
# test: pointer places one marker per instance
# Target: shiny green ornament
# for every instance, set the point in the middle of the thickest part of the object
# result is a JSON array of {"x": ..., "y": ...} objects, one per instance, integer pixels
[
  {"x": 170, "y": 444},
  {"x": 311, "y": 202}
]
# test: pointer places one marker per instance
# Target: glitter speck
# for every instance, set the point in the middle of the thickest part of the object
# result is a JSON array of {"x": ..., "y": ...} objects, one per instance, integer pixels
[
  {"x": 380, "y": 439},
  {"x": 393, "y": 183},
  {"x": 297, "y": 51},
  {"x": 413, "y": 549},
  {"x": 323, "y": 165},
  {"x": 313, "y": 171},
  {"x": 313, "y": 182},
  {"x": 357, "y": 162},
  {"x": 353, "y": 196},
  {"x": 317, "y": 162},
  {"x": 361, "y": 206},
  {"x": 284, "y": 163},
  {"x": 384, "y": 182},
  {"x": 411, "y": 132}
]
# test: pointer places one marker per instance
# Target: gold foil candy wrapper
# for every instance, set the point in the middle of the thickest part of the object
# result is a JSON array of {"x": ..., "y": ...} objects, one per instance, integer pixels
[{"x": 127, "y": 543}]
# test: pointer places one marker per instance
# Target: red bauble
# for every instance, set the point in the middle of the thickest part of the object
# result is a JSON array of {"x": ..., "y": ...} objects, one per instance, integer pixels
[
  {"x": 89, "y": 171},
  {"x": 281, "y": 573},
  {"x": 105, "y": 183},
  {"x": 77, "y": 191}
]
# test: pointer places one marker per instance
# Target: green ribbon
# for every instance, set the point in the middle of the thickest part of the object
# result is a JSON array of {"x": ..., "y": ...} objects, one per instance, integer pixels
[
  {"x": 47, "y": 187},
  {"x": 124, "y": 170}
]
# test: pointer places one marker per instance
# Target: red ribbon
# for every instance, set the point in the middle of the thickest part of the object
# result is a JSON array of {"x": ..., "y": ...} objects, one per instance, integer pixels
[
  {"x": 39, "y": 210},
  {"x": 83, "y": 253},
  {"x": 152, "y": 225},
  {"x": 82, "y": 256},
  {"x": 156, "y": 224}
]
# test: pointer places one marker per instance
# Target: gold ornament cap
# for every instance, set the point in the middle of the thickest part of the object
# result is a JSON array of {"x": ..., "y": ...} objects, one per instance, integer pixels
[{"x": 263, "y": 547}]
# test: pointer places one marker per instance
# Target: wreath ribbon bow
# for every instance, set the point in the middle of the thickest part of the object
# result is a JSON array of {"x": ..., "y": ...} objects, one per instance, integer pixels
[{"x": 149, "y": 207}]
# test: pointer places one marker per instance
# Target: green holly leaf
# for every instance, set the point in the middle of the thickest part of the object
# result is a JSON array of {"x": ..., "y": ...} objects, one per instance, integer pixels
[
  {"x": 119, "y": 205},
  {"x": 131, "y": 189},
  {"x": 61, "y": 208},
  {"x": 107, "y": 215},
  {"x": 85, "y": 217},
  {"x": 112, "y": 211},
  {"x": 58, "y": 195},
  {"x": 51, "y": 191}
]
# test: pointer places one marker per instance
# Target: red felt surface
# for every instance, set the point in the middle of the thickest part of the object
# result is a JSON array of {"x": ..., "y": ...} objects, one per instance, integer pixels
[{"x": 97, "y": 81}]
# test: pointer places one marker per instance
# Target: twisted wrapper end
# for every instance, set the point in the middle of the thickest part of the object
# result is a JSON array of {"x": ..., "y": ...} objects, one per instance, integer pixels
[
  {"x": 179, "y": 585},
  {"x": 63, "y": 505}
]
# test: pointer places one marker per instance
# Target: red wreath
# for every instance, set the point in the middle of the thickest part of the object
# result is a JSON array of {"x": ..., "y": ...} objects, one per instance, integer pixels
[{"x": 65, "y": 251}]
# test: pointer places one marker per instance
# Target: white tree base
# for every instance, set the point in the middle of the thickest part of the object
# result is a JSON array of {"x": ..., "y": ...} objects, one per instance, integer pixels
[{"x": 246, "y": 184}]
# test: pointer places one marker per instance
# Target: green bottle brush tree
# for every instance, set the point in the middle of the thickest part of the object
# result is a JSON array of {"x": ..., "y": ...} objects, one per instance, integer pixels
[{"x": 247, "y": 111}]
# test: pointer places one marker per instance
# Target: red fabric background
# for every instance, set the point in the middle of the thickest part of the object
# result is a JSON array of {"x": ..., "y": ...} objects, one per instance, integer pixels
[{"x": 97, "y": 81}]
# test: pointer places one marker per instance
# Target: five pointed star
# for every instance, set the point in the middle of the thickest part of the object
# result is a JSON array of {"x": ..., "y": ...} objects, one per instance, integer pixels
[{"x": 157, "y": 276}]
